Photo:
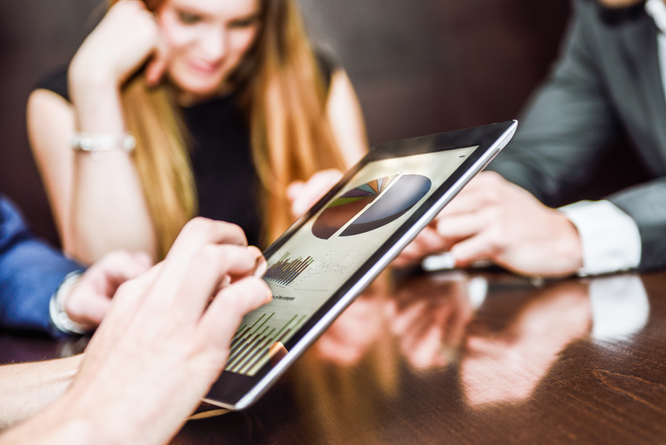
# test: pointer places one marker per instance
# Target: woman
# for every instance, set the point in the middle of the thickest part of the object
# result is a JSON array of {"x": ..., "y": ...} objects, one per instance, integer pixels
[{"x": 224, "y": 98}]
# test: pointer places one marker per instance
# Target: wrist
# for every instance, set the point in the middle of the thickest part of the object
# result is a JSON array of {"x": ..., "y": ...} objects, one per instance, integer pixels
[
  {"x": 91, "y": 407},
  {"x": 62, "y": 422},
  {"x": 87, "y": 426},
  {"x": 55, "y": 424},
  {"x": 75, "y": 432},
  {"x": 95, "y": 143},
  {"x": 563, "y": 246},
  {"x": 57, "y": 307},
  {"x": 97, "y": 103},
  {"x": 570, "y": 245},
  {"x": 85, "y": 76},
  {"x": 114, "y": 413}
]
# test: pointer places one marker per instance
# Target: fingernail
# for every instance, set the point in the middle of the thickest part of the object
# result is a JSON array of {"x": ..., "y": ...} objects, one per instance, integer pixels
[
  {"x": 260, "y": 267},
  {"x": 437, "y": 227},
  {"x": 145, "y": 258},
  {"x": 299, "y": 209},
  {"x": 254, "y": 251}
]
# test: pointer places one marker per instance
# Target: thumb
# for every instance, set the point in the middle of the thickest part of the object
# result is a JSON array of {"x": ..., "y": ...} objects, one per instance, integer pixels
[
  {"x": 294, "y": 189},
  {"x": 85, "y": 306},
  {"x": 472, "y": 249}
]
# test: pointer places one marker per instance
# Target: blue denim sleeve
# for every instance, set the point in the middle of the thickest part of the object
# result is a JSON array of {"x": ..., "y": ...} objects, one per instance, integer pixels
[{"x": 30, "y": 272}]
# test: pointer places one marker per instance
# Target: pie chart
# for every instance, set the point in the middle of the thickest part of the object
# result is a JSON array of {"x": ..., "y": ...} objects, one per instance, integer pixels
[{"x": 381, "y": 200}]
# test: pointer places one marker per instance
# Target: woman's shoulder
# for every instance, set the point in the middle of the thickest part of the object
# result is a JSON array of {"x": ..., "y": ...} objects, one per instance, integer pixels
[{"x": 56, "y": 82}]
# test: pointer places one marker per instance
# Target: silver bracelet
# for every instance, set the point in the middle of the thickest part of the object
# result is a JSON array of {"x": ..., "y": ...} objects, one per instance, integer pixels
[
  {"x": 95, "y": 143},
  {"x": 57, "y": 311}
]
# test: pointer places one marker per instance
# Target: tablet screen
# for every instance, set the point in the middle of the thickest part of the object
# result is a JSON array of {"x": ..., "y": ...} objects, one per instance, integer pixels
[{"x": 330, "y": 247}]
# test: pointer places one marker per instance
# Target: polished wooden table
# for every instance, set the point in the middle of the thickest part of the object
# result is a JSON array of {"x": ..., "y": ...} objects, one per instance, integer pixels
[{"x": 462, "y": 358}]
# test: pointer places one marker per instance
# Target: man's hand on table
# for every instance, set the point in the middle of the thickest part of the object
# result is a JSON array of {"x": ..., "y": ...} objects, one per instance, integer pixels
[{"x": 492, "y": 219}]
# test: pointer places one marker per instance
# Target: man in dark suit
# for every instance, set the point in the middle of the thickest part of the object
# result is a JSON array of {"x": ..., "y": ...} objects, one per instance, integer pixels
[
  {"x": 609, "y": 81},
  {"x": 42, "y": 290}
]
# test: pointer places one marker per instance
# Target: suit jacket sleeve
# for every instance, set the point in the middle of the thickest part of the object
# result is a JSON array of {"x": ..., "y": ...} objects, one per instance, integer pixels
[
  {"x": 567, "y": 124},
  {"x": 565, "y": 129},
  {"x": 646, "y": 205},
  {"x": 30, "y": 272}
]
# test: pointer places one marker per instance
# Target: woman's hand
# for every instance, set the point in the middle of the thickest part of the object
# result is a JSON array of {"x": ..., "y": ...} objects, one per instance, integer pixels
[
  {"x": 96, "y": 202},
  {"x": 120, "y": 44},
  {"x": 304, "y": 195}
]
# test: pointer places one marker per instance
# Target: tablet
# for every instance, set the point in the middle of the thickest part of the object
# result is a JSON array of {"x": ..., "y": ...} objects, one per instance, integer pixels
[{"x": 330, "y": 255}]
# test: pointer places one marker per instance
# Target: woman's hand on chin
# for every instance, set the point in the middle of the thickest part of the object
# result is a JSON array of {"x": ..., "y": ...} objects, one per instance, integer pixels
[{"x": 126, "y": 37}]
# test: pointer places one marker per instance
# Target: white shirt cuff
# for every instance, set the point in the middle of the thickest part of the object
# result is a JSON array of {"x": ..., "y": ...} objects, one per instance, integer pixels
[{"x": 609, "y": 237}]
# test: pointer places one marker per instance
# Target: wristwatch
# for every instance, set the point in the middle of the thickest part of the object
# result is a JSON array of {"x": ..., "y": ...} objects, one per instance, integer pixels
[{"x": 57, "y": 311}]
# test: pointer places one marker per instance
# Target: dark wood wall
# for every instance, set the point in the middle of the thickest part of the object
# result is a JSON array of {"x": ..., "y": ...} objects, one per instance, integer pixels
[
  {"x": 419, "y": 66},
  {"x": 36, "y": 37},
  {"x": 424, "y": 66}
]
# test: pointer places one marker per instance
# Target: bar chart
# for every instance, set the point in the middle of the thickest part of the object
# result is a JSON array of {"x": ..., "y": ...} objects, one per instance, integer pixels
[
  {"x": 251, "y": 344},
  {"x": 284, "y": 271}
]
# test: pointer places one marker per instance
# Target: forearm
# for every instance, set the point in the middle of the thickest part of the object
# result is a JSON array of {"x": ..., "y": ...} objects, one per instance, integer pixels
[
  {"x": 99, "y": 205},
  {"x": 121, "y": 403},
  {"x": 60, "y": 425},
  {"x": 26, "y": 389},
  {"x": 108, "y": 207}
]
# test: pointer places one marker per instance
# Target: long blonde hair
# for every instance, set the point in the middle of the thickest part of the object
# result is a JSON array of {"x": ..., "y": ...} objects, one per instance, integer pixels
[{"x": 282, "y": 92}]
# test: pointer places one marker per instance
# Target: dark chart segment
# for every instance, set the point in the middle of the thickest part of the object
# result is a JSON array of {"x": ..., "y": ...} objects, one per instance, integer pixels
[
  {"x": 286, "y": 271},
  {"x": 395, "y": 202},
  {"x": 251, "y": 346},
  {"x": 398, "y": 195},
  {"x": 351, "y": 203}
]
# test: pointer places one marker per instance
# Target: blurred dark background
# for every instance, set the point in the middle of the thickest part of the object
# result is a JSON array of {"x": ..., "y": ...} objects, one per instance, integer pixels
[{"x": 419, "y": 66}]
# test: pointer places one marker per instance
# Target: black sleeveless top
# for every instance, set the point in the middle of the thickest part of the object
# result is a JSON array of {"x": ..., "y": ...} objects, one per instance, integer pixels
[{"x": 226, "y": 180}]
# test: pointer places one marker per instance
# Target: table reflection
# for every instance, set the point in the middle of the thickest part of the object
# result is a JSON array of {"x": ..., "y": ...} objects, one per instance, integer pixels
[
  {"x": 505, "y": 365},
  {"x": 443, "y": 325},
  {"x": 425, "y": 322}
]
